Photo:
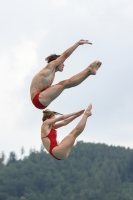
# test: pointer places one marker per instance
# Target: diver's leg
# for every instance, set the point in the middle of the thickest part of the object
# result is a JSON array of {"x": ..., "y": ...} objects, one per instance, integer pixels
[
  {"x": 51, "y": 93},
  {"x": 63, "y": 149}
]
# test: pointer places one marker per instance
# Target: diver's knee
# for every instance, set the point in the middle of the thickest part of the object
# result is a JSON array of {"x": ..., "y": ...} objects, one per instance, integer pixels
[
  {"x": 63, "y": 83},
  {"x": 64, "y": 156}
]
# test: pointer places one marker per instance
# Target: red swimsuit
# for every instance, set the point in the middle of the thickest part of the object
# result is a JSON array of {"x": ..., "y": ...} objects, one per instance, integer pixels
[
  {"x": 37, "y": 103},
  {"x": 53, "y": 143}
]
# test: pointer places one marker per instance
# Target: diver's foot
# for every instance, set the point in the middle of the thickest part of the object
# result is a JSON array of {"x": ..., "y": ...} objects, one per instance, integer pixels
[
  {"x": 88, "y": 110},
  {"x": 94, "y": 67}
]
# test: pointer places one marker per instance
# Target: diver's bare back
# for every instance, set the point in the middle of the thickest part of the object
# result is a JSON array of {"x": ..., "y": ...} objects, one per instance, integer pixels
[{"x": 41, "y": 81}]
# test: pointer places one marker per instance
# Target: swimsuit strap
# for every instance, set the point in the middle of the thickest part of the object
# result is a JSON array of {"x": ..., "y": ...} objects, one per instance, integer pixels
[{"x": 49, "y": 133}]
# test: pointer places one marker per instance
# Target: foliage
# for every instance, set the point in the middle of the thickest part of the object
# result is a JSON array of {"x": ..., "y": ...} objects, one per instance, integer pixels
[{"x": 91, "y": 172}]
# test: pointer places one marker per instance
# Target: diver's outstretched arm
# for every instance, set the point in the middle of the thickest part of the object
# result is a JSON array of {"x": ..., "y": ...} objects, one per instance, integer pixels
[
  {"x": 66, "y": 54},
  {"x": 67, "y": 121},
  {"x": 62, "y": 117}
]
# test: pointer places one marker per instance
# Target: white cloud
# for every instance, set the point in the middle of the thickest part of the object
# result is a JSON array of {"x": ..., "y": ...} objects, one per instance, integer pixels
[
  {"x": 16, "y": 64},
  {"x": 37, "y": 28},
  {"x": 60, "y": 2},
  {"x": 128, "y": 11},
  {"x": 81, "y": 10},
  {"x": 55, "y": 3}
]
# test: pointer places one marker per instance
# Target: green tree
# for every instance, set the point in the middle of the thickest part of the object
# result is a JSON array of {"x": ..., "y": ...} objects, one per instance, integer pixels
[
  {"x": 23, "y": 198},
  {"x": 91, "y": 172},
  {"x": 12, "y": 198},
  {"x": 22, "y": 152},
  {"x": 12, "y": 157}
]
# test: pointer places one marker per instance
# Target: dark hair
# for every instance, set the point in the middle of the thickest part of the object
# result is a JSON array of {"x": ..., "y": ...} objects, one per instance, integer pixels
[
  {"x": 52, "y": 57},
  {"x": 47, "y": 114}
]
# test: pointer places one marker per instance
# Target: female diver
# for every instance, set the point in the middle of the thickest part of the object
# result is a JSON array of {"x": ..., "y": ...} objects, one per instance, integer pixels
[{"x": 48, "y": 132}]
